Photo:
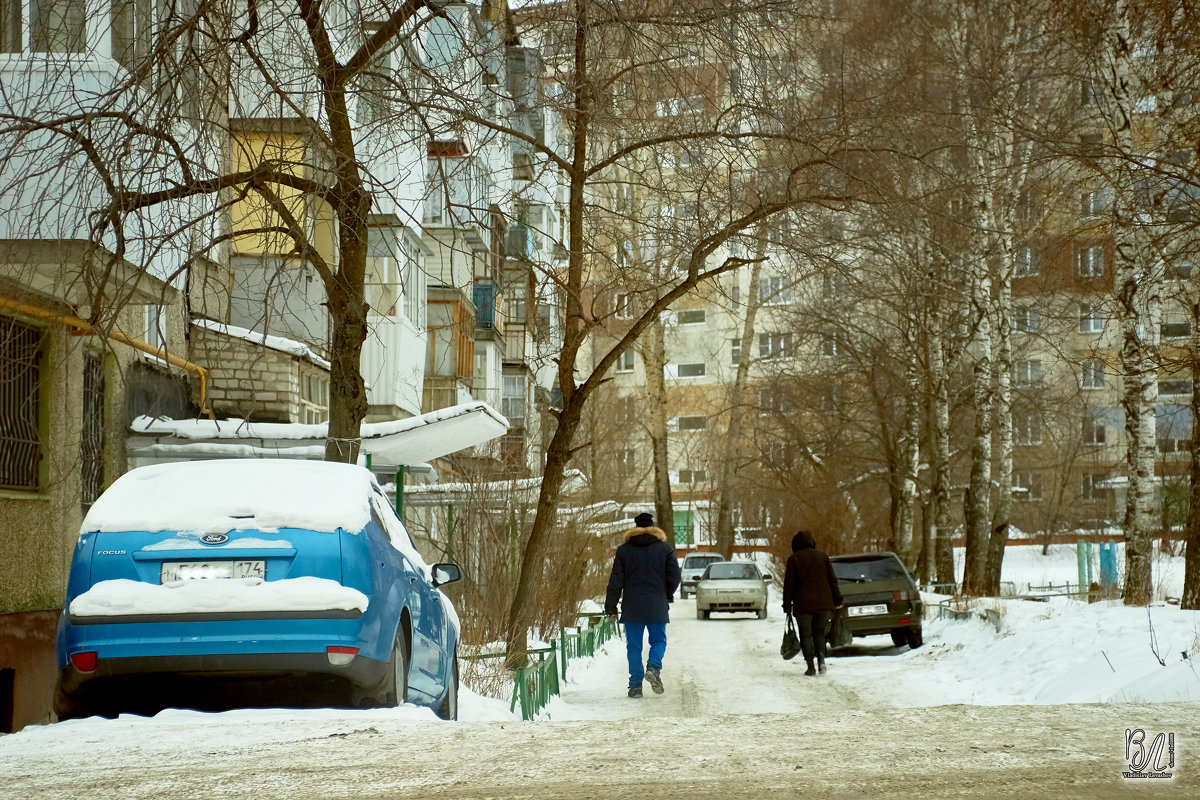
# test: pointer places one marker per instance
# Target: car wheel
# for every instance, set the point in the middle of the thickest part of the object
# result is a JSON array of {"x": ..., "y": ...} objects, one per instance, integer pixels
[
  {"x": 762, "y": 613},
  {"x": 913, "y": 637},
  {"x": 682, "y": 594},
  {"x": 449, "y": 707},
  {"x": 701, "y": 614},
  {"x": 395, "y": 690},
  {"x": 900, "y": 637}
]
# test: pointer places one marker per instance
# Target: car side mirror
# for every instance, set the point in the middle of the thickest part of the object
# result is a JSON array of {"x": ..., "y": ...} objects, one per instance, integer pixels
[
  {"x": 446, "y": 573},
  {"x": 766, "y": 576}
]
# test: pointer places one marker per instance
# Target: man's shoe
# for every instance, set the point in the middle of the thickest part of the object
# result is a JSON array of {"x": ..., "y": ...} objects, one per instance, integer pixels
[
  {"x": 821, "y": 667},
  {"x": 635, "y": 691},
  {"x": 652, "y": 675}
]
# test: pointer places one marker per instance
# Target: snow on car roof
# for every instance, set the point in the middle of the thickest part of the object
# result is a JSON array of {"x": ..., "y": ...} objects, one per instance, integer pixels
[{"x": 221, "y": 495}]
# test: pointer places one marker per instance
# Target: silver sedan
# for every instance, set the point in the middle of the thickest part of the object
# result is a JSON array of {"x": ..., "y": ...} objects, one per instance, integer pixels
[{"x": 731, "y": 586}]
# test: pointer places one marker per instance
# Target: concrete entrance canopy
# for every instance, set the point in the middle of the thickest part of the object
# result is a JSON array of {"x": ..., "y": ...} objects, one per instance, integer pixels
[{"x": 402, "y": 442}]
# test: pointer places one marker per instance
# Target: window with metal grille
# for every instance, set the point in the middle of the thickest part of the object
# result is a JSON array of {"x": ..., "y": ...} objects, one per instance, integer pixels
[
  {"x": 91, "y": 437},
  {"x": 20, "y": 381}
]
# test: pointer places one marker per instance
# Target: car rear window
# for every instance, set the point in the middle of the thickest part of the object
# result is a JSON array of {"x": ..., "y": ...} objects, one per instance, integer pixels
[
  {"x": 733, "y": 572},
  {"x": 869, "y": 569},
  {"x": 700, "y": 562}
]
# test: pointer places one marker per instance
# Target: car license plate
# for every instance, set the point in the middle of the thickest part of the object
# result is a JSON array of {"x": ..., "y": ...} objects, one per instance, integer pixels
[
  {"x": 180, "y": 571},
  {"x": 865, "y": 611}
]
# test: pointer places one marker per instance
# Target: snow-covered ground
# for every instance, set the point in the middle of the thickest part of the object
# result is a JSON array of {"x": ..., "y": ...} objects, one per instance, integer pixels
[{"x": 1024, "y": 653}]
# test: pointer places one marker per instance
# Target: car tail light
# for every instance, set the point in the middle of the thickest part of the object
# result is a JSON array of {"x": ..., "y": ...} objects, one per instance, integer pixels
[
  {"x": 84, "y": 662},
  {"x": 340, "y": 656},
  {"x": 897, "y": 596}
]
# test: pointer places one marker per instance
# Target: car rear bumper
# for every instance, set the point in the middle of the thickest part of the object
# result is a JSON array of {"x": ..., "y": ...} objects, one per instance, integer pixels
[{"x": 882, "y": 623}]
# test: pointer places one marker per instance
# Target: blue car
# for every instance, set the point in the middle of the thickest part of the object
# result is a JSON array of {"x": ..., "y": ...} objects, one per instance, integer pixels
[{"x": 254, "y": 579}]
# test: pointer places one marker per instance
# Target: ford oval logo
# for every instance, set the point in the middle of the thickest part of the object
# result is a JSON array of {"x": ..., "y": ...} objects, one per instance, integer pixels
[{"x": 214, "y": 538}]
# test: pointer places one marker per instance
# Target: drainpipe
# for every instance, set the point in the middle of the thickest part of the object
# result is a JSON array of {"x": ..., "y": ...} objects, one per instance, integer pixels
[{"x": 82, "y": 326}]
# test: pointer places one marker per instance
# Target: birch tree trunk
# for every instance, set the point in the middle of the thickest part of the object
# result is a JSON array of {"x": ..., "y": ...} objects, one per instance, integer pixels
[
  {"x": 942, "y": 529},
  {"x": 909, "y": 462},
  {"x": 1190, "y": 598},
  {"x": 1137, "y": 298}
]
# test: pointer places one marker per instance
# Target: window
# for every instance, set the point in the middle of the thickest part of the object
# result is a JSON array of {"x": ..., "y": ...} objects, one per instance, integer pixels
[
  {"x": 627, "y": 459},
  {"x": 1026, "y": 320},
  {"x": 773, "y": 345},
  {"x": 1028, "y": 372},
  {"x": 1176, "y": 324},
  {"x": 1179, "y": 270},
  {"x": 675, "y": 106},
  {"x": 625, "y": 361},
  {"x": 91, "y": 439},
  {"x": 155, "y": 330},
  {"x": 1091, "y": 145},
  {"x": 772, "y": 292},
  {"x": 1091, "y": 318},
  {"x": 1175, "y": 387},
  {"x": 1091, "y": 261},
  {"x": 55, "y": 26},
  {"x": 692, "y": 423},
  {"x": 832, "y": 285},
  {"x": 1027, "y": 429},
  {"x": 691, "y": 476},
  {"x": 830, "y": 346},
  {"x": 771, "y": 400},
  {"x": 1092, "y": 374},
  {"x": 512, "y": 399},
  {"x": 20, "y": 395},
  {"x": 735, "y": 351},
  {"x": 623, "y": 305},
  {"x": 691, "y": 316},
  {"x": 1094, "y": 487},
  {"x": 1024, "y": 263},
  {"x": 1027, "y": 486},
  {"x": 1094, "y": 429},
  {"x": 1093, "y": 203},
  {"x": 1090, "y": 92},
  {"x": 314, "y": 399},
  {"x": 11, "y": 25},
  {"x": 691, "y": 370}
]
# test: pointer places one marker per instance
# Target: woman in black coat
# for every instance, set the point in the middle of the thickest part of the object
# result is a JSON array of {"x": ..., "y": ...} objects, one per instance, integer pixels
[{"x": 811, "y": 594}]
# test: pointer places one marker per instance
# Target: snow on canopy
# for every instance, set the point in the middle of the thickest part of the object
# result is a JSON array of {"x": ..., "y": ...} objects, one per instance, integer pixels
[{"x": 222, "y": 495}]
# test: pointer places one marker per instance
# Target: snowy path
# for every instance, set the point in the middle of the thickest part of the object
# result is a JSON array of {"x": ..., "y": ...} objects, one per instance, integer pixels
[{"x": 722, "y": 665}]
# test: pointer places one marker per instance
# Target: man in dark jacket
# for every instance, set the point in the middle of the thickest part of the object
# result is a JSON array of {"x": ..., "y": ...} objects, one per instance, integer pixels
[
  {"x": 646, "y": 572},
  {"x": 810, "y": 593}
]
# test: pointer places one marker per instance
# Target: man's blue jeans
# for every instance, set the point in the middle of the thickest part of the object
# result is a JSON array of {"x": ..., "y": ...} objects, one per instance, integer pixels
[{"x": 634, "y": 633}]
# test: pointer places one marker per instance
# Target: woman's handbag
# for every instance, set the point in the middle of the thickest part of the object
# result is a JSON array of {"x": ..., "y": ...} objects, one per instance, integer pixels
[
  {"x": 791, "y": 642},
  {"x": 839, "y": 634}
]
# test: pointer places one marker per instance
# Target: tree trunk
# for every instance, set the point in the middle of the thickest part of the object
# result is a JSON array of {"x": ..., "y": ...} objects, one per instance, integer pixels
[
  {"x": 1190, "y": 598},
  {"x": 656, "y": 400},
  {"x": 942, "y": 529},
  {"x": 909, "y": 463},
  {"x": 737, "y": 416},
  {"x": 1137, "y": 295}
]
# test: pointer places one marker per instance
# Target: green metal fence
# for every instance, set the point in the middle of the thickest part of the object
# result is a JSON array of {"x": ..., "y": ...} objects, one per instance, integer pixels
[
  {"x": 538, "y": 681},
  {"x": 535, "y": 683},
  {"x": 582, "y": 641}
]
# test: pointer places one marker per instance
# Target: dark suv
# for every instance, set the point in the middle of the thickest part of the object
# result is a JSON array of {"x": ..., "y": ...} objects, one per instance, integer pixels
[{"x": 880, "y": 596}]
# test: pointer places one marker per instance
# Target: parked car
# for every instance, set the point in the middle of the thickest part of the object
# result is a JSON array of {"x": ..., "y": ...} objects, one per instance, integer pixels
[
  {"x": 880, "y": 597},
  {"x": 731, "y": 586},
  {"x": 692, "y": 568},
  {"x": 191, "y": 579}
]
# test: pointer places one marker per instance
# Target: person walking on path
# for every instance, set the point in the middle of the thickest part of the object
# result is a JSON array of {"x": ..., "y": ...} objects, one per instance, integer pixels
[
  {"x": 645, "y": 575},
  {"x": 811, "y": 595}
]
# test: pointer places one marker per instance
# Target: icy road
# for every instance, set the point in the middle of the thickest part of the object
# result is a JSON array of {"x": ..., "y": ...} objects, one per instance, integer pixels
[{"x": 736, "y": 722}]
